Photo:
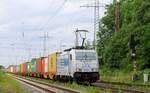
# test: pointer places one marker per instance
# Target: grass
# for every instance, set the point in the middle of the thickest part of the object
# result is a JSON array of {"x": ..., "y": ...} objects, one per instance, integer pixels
[
  {"x": 123, "y": 76},
  {"x": 115, "y": 75},
  {"x": 8, "y": 85}
]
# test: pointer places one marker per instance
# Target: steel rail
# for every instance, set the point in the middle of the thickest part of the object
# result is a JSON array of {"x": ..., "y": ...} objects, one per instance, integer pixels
[
  {"x": 120, "y": 83},
  {"x": 100, "y": 84},
  {"x": 45, "y": 86},
  {"x": 105, "y": 85}
]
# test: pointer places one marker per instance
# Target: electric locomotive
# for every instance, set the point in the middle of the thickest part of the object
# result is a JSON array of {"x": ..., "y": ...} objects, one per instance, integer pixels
[{"x": 78, "y": 64}]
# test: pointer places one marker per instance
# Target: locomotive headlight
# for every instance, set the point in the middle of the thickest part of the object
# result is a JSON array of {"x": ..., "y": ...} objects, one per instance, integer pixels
[
  {"x": 79, "y": 69},
  {"x": 94, "y": 69}
]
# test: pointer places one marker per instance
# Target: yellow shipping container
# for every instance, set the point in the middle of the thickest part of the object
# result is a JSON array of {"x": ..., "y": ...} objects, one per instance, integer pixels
[{"x": 52, "y": 59}]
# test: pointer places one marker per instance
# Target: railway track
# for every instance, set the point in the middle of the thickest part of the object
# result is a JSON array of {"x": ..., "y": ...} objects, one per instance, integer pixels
[
  {"x": 115, "y": 89},
  {"x": 126, "y": 84},
  {"x": 102, "y": 85},
  {"x": 48, "y": 88}
]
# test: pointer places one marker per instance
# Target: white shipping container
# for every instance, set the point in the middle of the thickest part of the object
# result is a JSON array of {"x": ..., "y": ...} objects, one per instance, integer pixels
[
  {"x": 63, "y": 65},
  {"x": 11, "y": 69},
  {"x": 46, "y": 65}
]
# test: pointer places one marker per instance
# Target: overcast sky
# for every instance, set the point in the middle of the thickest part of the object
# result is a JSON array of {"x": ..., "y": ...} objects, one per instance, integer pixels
[{"x": 23, "y": 23}]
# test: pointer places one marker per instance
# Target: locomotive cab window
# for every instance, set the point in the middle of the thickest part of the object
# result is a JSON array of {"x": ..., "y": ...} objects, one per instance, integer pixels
[
  {"x": 85, "y": 56},
  {"x": 70, "y": 56}
]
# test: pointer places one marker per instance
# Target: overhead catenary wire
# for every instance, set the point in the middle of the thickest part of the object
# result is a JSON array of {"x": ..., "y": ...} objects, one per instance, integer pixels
[
  {"x": 96, "y": 18},
  {"x": 24, "y": 47},
  {"x": 43, "y": 26},
  {"x": 47, "y": 22},
  {"x": 24, "y": 44},
  {"x": 51, "y": 17}
]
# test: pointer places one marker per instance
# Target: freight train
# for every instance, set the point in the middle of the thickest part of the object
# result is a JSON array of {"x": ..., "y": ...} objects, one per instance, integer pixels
[{"x": 74, "y": 64}]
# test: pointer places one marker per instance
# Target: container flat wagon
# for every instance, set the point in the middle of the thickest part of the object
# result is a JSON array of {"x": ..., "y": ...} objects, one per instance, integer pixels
[{"x": 74, "y": 64}]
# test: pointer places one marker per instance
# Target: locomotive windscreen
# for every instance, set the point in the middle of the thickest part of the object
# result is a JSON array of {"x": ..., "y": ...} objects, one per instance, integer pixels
[{"x": 85, "y": 56}]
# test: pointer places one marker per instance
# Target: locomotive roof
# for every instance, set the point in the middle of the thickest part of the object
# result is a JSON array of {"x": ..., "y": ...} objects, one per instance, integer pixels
[{"x": 78, "y": 48}]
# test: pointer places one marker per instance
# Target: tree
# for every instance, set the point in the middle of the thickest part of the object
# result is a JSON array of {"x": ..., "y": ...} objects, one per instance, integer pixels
[
  {"x": 2, "y": 67},
  {"x": 113, "y": 46}
]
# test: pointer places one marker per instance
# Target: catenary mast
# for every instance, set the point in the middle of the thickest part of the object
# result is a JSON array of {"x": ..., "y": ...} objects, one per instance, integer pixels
[{"x": 96, "y": 20}]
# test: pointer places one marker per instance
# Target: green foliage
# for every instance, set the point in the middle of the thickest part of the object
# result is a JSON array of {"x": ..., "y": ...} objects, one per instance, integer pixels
[
  {"x": 9, "y": 85},
  {"x": 116, "y": 75},
  {"x": 88, "y": 44},
  {"x": 1, "y": 67},
  {"x": 113, "y": 46}
]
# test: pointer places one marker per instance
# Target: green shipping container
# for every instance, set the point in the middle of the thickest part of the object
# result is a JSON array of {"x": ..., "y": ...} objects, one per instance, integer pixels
[
  {"x": 29, "y": 67},
  {"x": 19, "y": 68},
  {"x": 33, "y": 62}
]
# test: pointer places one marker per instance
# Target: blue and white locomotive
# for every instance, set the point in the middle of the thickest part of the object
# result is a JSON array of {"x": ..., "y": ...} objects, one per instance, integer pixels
[{"x": 78, "y": 64}]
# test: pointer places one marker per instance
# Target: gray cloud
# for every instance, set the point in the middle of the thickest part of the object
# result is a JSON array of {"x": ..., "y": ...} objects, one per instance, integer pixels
[{"x": 29, "y": 16}]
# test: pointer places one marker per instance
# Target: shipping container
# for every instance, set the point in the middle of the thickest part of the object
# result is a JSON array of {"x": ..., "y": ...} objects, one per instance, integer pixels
[
  {"x": 29, "y": 68},
  {"x": 63, "y": 65},
  {"x": 46, "y": 73},
  {"x": 18, "y": 68},
  {"x": 52, "y": 59},
  {"x": 11, "y": 69},
  {"x": 24, "y": 68},
  {"x": 33, "y": 65},
  {"x": 21, "y": 68},
  {"x": 46, "y": 65},
  {"x": 15, "y": 69},
  {"x": 40, "y": 66}
]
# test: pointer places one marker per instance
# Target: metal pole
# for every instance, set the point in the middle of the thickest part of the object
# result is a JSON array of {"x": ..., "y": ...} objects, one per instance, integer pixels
[
  {"x": 44, "y": 43},
  {"x": 77, "y": 40},
  {"x": 96, "y": 21},
  {"x": 117, "y": 16},
  {"x": 96, "y": 7}
]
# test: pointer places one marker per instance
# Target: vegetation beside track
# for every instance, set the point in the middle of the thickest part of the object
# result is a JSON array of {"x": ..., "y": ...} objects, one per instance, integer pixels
[
  {"x": 9, "y": 85},
  {"x": 115, "y": 48},
  {"x": 123, "y": 76}
]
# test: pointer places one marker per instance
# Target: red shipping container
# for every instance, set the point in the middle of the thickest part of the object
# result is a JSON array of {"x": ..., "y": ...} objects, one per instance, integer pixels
[
  {"x": 25, "y": 68},
  {"x": 40, "y": 65},
  {"x": 15, "y": 69}
]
